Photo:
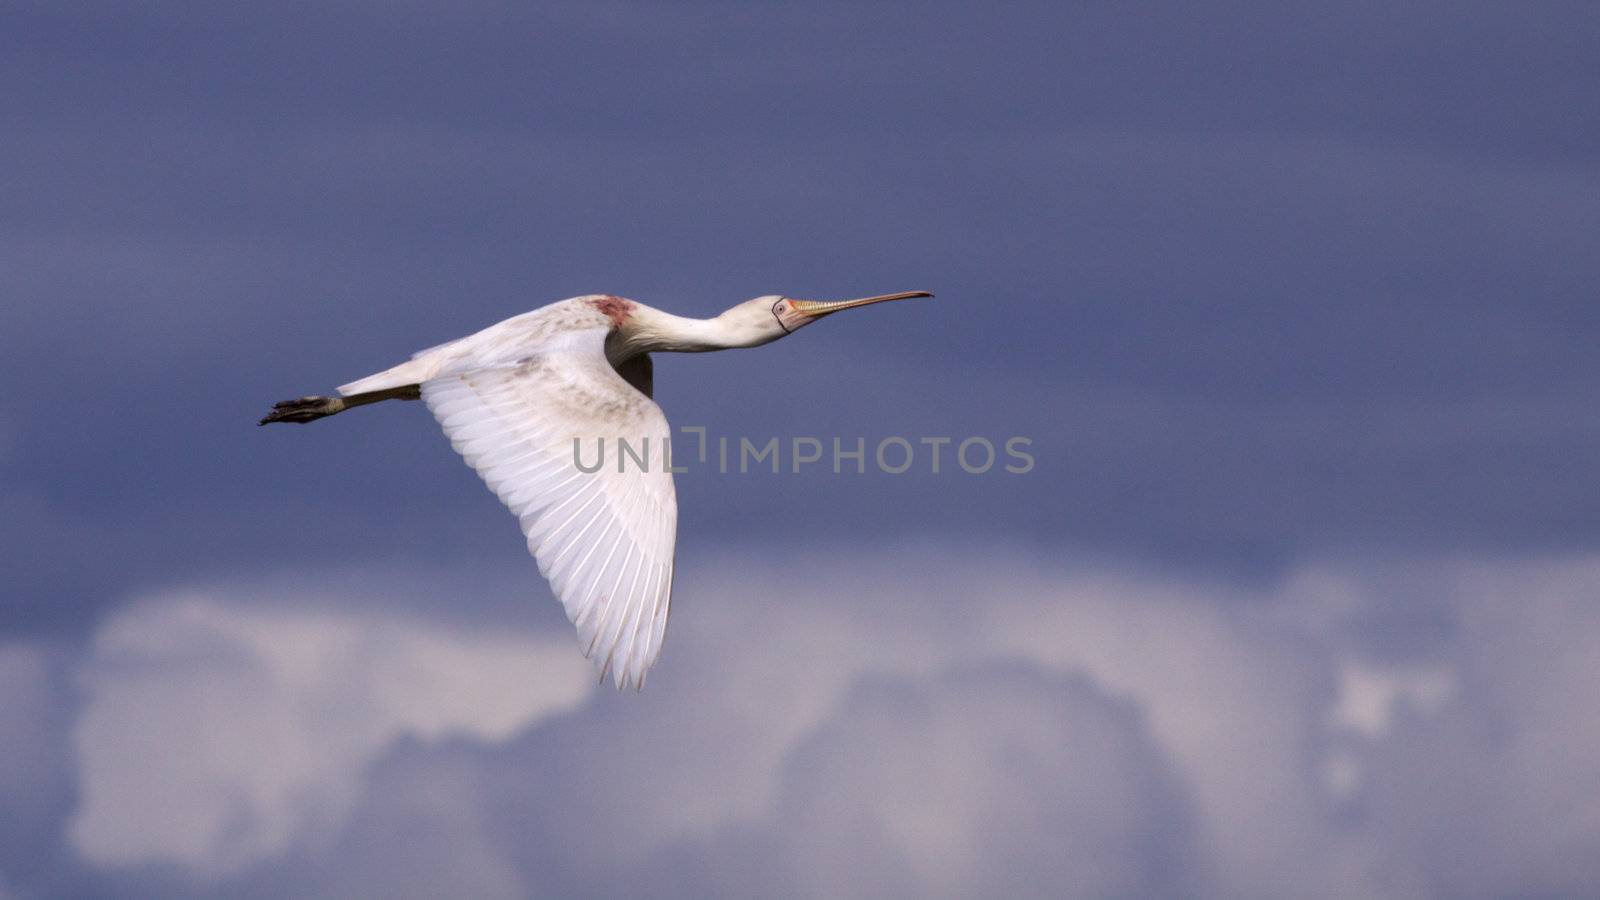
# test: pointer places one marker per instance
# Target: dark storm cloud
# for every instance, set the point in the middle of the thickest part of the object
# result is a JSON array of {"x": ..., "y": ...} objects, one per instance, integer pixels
[
  {"x": 1121, "y": 212},
  {"x": 1193, "y": 377}
]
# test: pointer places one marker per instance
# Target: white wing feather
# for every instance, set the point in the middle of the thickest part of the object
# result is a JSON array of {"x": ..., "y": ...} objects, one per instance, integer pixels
[{"x": 604, "y": 539}]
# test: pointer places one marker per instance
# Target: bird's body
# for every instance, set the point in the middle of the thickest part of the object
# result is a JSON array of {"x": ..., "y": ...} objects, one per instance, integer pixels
[{"x": 517, "y": 401}]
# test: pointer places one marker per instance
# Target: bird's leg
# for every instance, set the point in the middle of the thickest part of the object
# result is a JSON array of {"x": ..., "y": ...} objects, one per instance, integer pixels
[
  {"x": 303, "y": 410},
  {"x": 310, "y": 409}
]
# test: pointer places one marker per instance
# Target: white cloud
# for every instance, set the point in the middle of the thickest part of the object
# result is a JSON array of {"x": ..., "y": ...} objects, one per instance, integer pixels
[
  {"x": 25, "y": 705},
  {"x": 1370, "y": 695},
  {"x": 1234, "y": 697},
  {"x": 218, "y": 733},
  {"x": 1496, "y": 792},
  {"x": 35, "y": 778},
  {"x": 713, "y": 774},
  {"x": 907, "y": 723},
  {"x": 997, "y": 780},
  {"x": 820, "y": 732}
]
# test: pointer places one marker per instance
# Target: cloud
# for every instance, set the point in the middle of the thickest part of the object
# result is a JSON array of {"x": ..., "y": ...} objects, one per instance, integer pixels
[
  {"x": 36, "y": 789},
  {"x": 989, "y": 776},
  {"x": 908, "y": 723},
  {"x": 1494, "y": 792},
  {"x": 1130, "y": 721},
  {"x": 1235, "y": 699},
  {"x": 933, "y": 727},
  {"x": 994, "y": 779},
  {"x": 217, "y": 733}
]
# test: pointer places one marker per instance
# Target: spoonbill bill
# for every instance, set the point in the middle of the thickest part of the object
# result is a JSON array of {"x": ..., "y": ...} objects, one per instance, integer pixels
[{"x": 517, "y": 399}]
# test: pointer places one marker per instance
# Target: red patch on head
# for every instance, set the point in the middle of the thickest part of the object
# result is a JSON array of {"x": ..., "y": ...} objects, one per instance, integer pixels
[{"x": 615, "y": 308}]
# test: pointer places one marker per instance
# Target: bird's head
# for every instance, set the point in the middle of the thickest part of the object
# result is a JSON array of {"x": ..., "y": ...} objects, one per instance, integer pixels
[{"x": 768, "y": 318}]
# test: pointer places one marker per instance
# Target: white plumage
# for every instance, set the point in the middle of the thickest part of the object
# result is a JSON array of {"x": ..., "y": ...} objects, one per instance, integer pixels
[
  {"x": 604, "y": 539},
  {"x": 521, "y": 400}
]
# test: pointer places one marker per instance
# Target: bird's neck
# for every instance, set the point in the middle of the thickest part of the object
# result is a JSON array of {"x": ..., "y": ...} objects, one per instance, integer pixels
[{"x": 650, "y": 330}]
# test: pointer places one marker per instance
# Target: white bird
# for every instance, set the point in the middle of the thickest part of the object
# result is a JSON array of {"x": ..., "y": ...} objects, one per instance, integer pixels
[{"x": 517, "y": 398}]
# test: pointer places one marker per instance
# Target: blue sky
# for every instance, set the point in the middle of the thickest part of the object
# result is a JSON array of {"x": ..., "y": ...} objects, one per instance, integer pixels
[{"x": 1295, "y": 301}]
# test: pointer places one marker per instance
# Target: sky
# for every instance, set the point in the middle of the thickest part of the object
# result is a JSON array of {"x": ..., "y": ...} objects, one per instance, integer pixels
[{"x": 1293, "y": 303}]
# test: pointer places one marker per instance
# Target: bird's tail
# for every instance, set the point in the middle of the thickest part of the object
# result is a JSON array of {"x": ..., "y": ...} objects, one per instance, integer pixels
[{"x": 414, "y": 371}]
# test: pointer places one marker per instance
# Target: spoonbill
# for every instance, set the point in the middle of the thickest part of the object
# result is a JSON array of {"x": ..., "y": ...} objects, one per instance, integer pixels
[{"x": 517, "y": 398}]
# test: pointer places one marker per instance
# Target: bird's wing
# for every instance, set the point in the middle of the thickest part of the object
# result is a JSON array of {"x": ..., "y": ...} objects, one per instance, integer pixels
[{"x": 604, "y": 538}]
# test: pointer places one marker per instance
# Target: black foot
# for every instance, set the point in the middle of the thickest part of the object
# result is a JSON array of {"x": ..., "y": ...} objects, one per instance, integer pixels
[{"x": 303, "y": 410}]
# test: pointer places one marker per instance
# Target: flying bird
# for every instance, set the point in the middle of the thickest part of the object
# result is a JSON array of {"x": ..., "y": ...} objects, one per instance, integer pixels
[{"x": 519, "y": 398}]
